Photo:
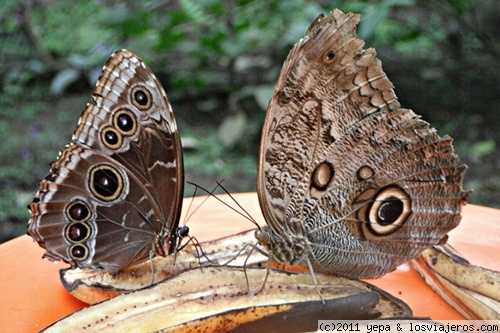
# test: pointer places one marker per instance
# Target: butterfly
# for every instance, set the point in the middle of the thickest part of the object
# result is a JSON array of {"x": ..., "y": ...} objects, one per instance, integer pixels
[
  {"x": 349, "y": 182},
  {"x": 113, "y": 198}
]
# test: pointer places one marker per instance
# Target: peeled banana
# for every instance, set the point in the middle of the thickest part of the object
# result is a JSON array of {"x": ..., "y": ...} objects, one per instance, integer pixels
[
  {"x": 473, "y": 291},
  {"x": 221, "y": 298},
  {"x": 197, "y": 289},
  {"x": 191, "y": 292},
  {"x": 92, "y": 286}
]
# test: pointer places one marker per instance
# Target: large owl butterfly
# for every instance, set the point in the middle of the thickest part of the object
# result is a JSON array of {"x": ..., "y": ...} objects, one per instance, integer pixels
[
  {"x": 113, "y": 198},
  {"x": 350, "y": 183}
]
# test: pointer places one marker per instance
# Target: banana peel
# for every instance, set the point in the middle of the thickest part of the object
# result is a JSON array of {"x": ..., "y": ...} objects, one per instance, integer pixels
[
  {"x": 223, "y": 298},
  {"x": 92, "y": 286},
  {"x": 196, "y": 295},
  {"x": 473, "y": 291}
]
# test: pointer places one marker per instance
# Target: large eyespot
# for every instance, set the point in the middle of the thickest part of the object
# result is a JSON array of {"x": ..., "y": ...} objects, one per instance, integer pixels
[
  {"x": 78, "y": 252},
  {"x": 77, "y": 232},
  {"x": 111, "y": 137},
  {"x": 389, "y": 210},
  {"x": 322, "y": 176},
  {"x": 141, "y": 98},
  {"x": 105, "y": 182},
  {"x": 77, "y": 211},
  {"x": 125, "y": 122}
]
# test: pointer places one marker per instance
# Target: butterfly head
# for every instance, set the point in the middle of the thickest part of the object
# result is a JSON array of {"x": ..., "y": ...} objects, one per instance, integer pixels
[{"x": 290, "y": 250}]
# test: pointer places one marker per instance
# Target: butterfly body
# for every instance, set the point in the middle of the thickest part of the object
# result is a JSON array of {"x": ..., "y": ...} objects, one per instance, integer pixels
[
  {"x": 350, "y": 183},
  {"x": 113, "y": 198}
]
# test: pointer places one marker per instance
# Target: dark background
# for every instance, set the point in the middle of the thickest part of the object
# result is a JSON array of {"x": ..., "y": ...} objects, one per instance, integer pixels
[{"x": 219, "y": 61}]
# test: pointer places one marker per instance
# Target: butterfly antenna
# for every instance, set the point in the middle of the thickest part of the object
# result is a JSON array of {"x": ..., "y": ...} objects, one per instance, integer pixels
[
  {"x": 210, "y": 193},
  {"x": 183, "y": 232},
  {"x": 245, "y": 214},
  {"x": 186, "y": 218}
]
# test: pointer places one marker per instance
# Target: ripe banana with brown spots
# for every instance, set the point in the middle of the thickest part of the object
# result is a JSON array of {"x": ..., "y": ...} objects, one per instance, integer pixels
[
  {"x": 92, "y": 286},
  {"x": 220, "y": 299},
  {"x": 473, "y": 291}
]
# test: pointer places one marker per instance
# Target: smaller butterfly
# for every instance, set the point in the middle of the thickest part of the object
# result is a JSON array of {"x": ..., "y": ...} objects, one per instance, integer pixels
[{"x": 113, "y": 198}]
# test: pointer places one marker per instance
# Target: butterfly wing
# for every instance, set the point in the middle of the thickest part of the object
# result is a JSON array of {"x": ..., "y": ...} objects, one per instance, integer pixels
[
  {"x": 368, "y": 184},
  {"x": 116, "y": 189}
]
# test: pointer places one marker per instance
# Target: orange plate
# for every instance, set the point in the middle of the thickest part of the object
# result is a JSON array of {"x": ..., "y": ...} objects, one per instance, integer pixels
[{"x": 33, "y": 296}]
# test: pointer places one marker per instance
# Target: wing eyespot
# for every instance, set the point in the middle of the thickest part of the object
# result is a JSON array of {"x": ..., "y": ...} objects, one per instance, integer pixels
[
  {"x": 389, "y": 210},
  {"x": 111, "y": 137},
  {"x": 365, "y": 173},
  {"x": 79, "y": 252},
  {"x": 77, "y": 232},
  {"x": 330, "y": 56},
  {"x": 322, "y": 176},
  {"x": 141, "y": 98},
  {"x": 105, "y": 182},
  {"x": 78, "y": 211},
  {"x": 125, "y": 122}
]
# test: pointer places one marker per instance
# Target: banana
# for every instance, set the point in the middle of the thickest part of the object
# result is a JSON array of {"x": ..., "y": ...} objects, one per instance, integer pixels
[
  {"x": 186, "y": 292},
  {"x": 473, "y": 291},
  {"x": 92, "y": 286},
  {"x": 222, "y": 298}
]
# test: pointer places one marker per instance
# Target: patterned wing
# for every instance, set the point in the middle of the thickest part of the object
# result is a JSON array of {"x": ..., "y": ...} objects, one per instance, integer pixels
[
  {"x": 115, "y": 193},
  {"x": 367, "y": 184}
]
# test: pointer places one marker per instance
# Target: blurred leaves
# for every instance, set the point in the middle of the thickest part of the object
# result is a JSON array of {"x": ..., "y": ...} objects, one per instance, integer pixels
[
  {"x": 232, "y": 128},
  {"x": 482, "y": 149},
  {"x": 63, "y": 79}
]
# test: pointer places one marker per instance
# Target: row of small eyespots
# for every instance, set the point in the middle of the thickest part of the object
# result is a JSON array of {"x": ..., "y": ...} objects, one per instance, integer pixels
[{"x": 124, "y": 120}]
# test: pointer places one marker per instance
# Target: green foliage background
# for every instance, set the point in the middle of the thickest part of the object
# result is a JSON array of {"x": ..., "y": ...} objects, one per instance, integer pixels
[{"x": 219, "y": 61}]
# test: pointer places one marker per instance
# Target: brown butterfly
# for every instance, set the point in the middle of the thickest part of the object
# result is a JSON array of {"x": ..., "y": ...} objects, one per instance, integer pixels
[
  {"x": 113, "y": 198},
  {"x": 349, "y": 182}
]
